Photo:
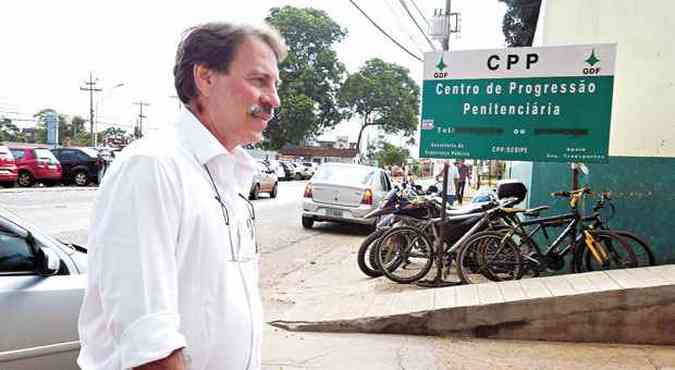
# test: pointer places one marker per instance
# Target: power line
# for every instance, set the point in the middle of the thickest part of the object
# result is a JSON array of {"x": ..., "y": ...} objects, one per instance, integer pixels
[
  {"x": 420, "y": 12},
  {"x": 385, "y": 33},
  {"x": 91, "y": 88},
  {"x": 433, "y": 47},
  {"x": 140, "y": 104},
  {"x": 401, "y": 26}
]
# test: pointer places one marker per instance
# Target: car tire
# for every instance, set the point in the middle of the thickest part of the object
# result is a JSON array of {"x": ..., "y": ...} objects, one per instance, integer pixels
[
  {"x": 307, "y": 222},
  {"x": 25, "y": 179},
  {"x": 81, "y": 178},
  {"x": 298, "y": 176},
  {"x": 275, "y": 189},
  {"x": 255, "y": 192}
]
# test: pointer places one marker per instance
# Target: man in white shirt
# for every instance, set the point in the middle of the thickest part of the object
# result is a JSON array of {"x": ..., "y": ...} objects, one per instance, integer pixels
[
  {"x": 453, "y": 179},
  {"x": 173, "y": 270}
]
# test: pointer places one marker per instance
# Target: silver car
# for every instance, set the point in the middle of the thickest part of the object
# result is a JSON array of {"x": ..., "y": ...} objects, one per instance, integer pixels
[
  {"x": 342, "y": 192},
  {"x": 41, "y": 289},
  {"x": 264, "y": 181}
]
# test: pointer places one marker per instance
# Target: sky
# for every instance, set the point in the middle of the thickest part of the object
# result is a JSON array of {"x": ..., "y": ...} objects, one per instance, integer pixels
[{"x": 48, "y": 49}]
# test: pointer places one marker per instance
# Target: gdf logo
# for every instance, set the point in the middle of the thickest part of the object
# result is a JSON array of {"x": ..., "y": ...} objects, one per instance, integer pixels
[
  {"x": 592, "y": 60},
  {"x": 440, "y": 67}
]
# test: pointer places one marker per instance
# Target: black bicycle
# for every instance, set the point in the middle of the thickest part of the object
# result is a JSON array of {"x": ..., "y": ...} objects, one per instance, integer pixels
[
  {"x": 406, "y": 254},
  {"x": 508, "y": 254}
]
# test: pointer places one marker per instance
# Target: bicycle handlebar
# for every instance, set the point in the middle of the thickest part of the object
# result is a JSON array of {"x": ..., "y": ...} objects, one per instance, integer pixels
[{"x": 568, "y": 194}]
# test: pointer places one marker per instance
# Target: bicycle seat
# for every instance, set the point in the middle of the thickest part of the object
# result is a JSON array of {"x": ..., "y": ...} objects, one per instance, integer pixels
[{"x": 468, "y": 209}]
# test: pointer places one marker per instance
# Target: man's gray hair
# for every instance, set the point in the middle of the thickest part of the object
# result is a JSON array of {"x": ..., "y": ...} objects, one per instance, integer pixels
[{"x": 214, "y": 45}]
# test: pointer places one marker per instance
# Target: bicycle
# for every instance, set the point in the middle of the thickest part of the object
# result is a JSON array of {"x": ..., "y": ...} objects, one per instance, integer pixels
[
  {"x": 405, "y": 254},
  {"x": 491, "y": 255}
]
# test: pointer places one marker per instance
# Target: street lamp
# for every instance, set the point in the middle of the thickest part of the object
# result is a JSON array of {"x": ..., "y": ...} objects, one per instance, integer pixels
[{"x": 98, "y": 112}]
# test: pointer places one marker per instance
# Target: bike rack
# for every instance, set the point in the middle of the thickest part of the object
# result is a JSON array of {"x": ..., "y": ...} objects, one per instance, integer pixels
[{"x": 437, "y": 281}]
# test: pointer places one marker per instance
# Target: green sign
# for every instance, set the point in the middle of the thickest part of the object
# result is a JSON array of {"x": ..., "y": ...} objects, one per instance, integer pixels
[{"x": 525, "y": 104}]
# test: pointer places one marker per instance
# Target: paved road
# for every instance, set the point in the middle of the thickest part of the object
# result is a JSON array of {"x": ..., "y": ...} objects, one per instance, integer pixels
[{"x": 297, "y": 263}]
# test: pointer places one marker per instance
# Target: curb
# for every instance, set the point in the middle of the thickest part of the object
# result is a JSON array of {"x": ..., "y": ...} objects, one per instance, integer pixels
[{"x": 52, "y": 190}]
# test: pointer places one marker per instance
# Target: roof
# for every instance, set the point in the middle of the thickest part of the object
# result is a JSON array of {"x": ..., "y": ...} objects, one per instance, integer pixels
[{"x": 311, "y": 151}]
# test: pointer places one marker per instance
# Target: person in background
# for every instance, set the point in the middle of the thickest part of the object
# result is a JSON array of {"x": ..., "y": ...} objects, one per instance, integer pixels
[
  {"x": 453, "y": 179},
  {"x": 464, "y": 176}
]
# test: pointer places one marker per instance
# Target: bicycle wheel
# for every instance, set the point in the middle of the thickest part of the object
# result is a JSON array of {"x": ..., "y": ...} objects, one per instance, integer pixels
[
  {"x": 528, "y": 251},
  {"x": 404, "y": 254},
  {"x": 488, "y": 256},
  {"x": 619, "y": 254},
  {"x": 643, "y": 252},
  {"x": 365, "y": 257}
]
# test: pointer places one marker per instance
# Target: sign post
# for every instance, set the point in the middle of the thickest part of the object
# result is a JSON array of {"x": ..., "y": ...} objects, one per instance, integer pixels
[
  {"x": 52, "y": 122},
  {"x": 549, "y": 104}
]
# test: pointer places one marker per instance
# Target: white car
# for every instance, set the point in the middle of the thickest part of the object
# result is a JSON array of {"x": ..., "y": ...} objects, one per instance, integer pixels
[
  {"x": 264, "y": 181},
  {"x": 275, "y": 166},
  {"x": 41, "y": 289},
  {"x": 342, "y": 192}
]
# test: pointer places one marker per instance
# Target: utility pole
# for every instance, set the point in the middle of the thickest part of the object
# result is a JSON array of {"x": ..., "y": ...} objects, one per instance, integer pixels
[
  {"x": 140, "y": 104},
  {"x": 446, "y": 40},
  {"x": 438, "y": 280},
  {"x": 91, "y": 87}
]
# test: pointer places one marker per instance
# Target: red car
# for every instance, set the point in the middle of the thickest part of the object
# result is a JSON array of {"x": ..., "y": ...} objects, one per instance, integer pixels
[
  {"x": 36, "y": 165},
  {"x": 8, "y": 170}
]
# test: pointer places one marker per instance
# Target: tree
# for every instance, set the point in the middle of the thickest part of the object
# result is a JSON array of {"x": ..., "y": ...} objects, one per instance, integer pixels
[
  {"x": 520, "y": 21},
  {"x": 384, "y": 95},
  {"x": 8, "y": 130},
  {"x": 310, "y": 75},
  {"x": 391, "y": 155}
]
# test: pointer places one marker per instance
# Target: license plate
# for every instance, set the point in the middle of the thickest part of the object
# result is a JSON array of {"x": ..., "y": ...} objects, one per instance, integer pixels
[{"x": 333, "y": 212}]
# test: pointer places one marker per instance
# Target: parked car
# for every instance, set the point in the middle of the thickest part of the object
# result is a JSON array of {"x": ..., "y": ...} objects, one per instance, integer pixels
[
  {"x": 309, "y": 168},
  {"x": 8, "y": 169},
  {"x": 295, "y": 172},
  {"x": 81, "y": 166},
  {"x": 264, "y": 181},
  {"x": 343, "y": 192},
  {"x": 36, "y": 165},
  {"x": 278, "y": 169},
  {"x": 42, "y": 284}
]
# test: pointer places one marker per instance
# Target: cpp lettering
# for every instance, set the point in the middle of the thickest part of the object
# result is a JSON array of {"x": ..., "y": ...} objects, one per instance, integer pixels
[{"x": 493, "y": 62}]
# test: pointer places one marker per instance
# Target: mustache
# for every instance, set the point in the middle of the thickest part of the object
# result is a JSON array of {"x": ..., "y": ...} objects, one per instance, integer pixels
[{"x": 261, "y": 111}]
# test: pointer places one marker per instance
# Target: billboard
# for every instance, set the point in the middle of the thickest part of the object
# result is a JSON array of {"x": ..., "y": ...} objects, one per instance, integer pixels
[{"x": 525, "y": 104}]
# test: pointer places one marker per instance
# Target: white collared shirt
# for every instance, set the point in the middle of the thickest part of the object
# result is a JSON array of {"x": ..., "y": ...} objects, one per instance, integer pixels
[{"x": 161, "y": 271}]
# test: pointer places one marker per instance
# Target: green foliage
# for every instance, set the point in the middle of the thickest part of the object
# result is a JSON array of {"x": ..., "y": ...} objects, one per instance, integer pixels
[
  {"x": 392, "y": 155},
  {"x": 384, "y": 95},
  {"x": 520, "y": 21},
  {"x": 8, "y": 130},
  {"x": 310, "y": 75}
]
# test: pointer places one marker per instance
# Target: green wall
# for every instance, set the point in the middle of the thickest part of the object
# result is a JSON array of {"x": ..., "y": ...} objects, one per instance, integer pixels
[{"x": 642, "y": 191}]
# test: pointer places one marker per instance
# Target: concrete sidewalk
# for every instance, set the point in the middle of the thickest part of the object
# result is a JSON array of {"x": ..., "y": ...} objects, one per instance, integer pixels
[
  {"x": 326, "y": 274},
  {"x": 620, "y": 306}
]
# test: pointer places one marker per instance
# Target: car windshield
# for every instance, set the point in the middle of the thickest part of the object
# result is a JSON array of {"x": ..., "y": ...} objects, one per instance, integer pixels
[
  {"x": 345, "y": 174},
  {"x": 5, "y": 153},
  {"x": 12, "y": 217},
  {"x": 46, "y": 155},
  {"x": 90, "y": 152}
]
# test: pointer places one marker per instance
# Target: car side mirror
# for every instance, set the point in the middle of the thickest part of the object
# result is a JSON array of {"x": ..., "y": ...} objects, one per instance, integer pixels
[
  {"x": 50, "y": 262},
  {"x": 46, "y": 260}
]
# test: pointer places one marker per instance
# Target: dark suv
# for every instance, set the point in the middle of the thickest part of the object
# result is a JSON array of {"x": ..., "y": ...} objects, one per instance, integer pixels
[
  {"x": 81, "y": 166},
  {"x": 36, "y": 165}
]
